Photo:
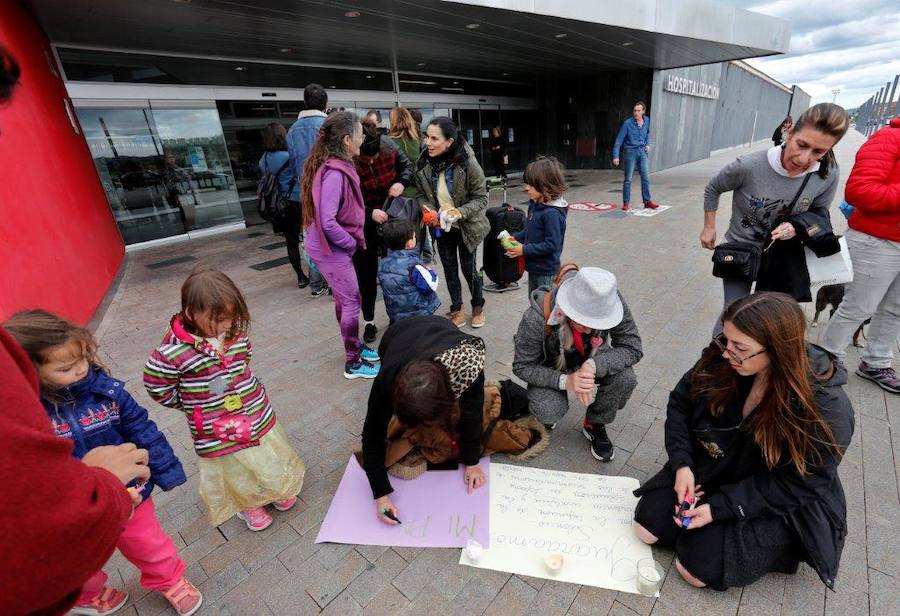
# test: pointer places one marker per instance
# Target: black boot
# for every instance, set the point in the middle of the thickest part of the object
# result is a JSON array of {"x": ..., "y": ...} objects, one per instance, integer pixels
[
  {"x": 302, "y": 280},
  {"x": 601, "y": 447}
]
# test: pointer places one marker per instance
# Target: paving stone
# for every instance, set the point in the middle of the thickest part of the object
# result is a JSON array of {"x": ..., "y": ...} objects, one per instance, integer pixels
[
  {"x": 300, "y": 550},
  {"x": 590, "y": 600},
  {"x": 423, "y": 568},
  {"x": 376, "y": 577},
  {"x": 250, "y": 595},
  {"x": 226, "y": 579},
  {"x": 884, "y": 593},
  {"x": 480, "y": 591},
  {"x": 388, "y": 602},
  {"x": 804, "y": 593},
  {"x": 554, "y": 598},
  {"x": 514, "y": 598},
  {"x": 620, "y": 609},
  {"x": 329, "y": 584}
]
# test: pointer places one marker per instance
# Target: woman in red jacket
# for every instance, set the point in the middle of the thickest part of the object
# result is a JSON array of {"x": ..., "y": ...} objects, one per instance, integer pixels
[{"x": 873, "y": 188}]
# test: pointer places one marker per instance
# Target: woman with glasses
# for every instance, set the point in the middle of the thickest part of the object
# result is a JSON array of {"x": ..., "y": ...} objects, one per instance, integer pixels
[{"x": 754, "y": 432}]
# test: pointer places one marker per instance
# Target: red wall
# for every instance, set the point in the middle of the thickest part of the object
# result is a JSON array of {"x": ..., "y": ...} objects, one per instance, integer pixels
[{"x": 59, "y": 245}]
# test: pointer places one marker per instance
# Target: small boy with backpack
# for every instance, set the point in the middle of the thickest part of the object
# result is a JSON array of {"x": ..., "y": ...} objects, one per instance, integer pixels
[
  {"x": 541, "y": 241},
  {"x": 409, "y": 288}
]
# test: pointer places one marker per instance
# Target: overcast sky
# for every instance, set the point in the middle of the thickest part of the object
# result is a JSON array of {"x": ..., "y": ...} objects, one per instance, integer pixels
[{"x": 847, "y": 45}]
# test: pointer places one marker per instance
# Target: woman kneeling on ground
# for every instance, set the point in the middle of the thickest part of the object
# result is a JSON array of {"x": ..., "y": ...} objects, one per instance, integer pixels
[
  {"x": 579, "y": 337},
  {"x": 429, "y": 404},
  {"x": 761, "y": 423}
]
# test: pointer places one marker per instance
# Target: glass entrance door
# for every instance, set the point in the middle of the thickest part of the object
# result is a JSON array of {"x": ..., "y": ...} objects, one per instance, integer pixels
[{"x": 165, "y": 171}]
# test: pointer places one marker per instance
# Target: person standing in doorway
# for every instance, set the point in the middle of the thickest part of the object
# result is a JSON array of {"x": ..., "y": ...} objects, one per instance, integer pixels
[
  {"x": 634, "y": 138},
  {"x": 276, "y": 160},
  {"x": 498, "y": 152},
  {"x": 300, "y": 139}
]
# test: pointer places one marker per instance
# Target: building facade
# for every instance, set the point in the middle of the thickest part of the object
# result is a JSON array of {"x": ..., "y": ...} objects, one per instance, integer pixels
[{"x": 166, "y": 99}]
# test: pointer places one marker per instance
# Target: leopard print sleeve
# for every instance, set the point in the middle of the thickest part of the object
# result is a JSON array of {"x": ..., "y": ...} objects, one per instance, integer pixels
[{"x": 464, "y": 362}]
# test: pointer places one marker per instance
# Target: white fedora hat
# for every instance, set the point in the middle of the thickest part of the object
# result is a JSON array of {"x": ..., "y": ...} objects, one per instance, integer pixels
[{"x": 591, "y": 298}]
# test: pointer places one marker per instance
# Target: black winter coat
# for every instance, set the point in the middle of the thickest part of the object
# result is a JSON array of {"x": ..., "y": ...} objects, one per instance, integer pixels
[
  {"x": 813, "y": 505},
  {"x": 423, "y": 337},
  {"x": 783, "y": 266}
]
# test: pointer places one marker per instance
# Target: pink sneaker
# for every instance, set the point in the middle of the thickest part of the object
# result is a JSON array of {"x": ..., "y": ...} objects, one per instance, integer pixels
[
  {"x": 109, "y": 600},
  {"x": 256, "y": 519},
  {"x": 285, "y": 504},
  {"x": 184, "y": 597}
]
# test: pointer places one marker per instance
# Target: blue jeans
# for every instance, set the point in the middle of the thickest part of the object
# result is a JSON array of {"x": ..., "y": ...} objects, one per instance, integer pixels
[{"x": 636, "y": 156}]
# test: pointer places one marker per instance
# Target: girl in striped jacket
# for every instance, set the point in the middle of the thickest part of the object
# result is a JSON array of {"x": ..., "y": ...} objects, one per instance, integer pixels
[{"x": 202, "y": 369}]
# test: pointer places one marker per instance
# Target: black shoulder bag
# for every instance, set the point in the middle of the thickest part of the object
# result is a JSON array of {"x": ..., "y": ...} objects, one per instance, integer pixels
[{"x": 741, "y": 259}]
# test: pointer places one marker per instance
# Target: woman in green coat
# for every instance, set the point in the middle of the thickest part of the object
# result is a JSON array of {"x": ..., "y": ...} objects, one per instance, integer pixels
[
  {"x": 450, "y": 183},
  {"x": 406, "y": 136}
]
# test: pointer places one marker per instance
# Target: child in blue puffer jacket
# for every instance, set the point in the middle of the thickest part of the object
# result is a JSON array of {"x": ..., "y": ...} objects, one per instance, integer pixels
[
  {"x": 409, "y": 288},
  {"x": 541, "y": 241},
  {"x": 92, "y": 409}
]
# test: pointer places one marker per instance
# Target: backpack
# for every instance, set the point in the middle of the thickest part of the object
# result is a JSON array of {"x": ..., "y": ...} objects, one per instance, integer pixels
[
  {"x": 271, "y": 203},
  {"x": 548, "y": 306}
]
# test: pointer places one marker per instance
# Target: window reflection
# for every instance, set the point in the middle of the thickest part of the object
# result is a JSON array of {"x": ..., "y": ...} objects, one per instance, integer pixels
[{"x": 165, "y": 172}]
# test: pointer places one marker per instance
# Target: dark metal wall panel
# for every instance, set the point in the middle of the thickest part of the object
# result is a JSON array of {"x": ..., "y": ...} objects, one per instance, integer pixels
[
  {"x": 799, "y": 102},
  {"x": 749, "y": 108},
  {"x": 688, "y": 128}
]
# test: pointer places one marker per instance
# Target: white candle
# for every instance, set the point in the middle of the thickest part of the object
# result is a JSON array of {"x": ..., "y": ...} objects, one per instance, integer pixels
[
  {"x": 648, "y": 578},
  {"x": 474, "y": 550},
  {"x": 553, "y": 563}
]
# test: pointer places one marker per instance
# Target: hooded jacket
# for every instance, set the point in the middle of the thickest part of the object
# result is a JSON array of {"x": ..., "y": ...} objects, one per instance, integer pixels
[
  {"x": 813, "y": 505},
  {"x": 300, "y": 139},
  {"x": 188, "y": 374},
  {"x": 409, "y": 289},
  {"x": 425, "y": 337},
  {"x": 340, "y": 211},
  {"x": 543, "y": 236},
  {"x": 874, "y": 185},
  {"x": 466, "y": 182},
  {"x": 61, "y": 519},
  {"x": 535, "y": 352},
  {"x": 98, "y": 411}
]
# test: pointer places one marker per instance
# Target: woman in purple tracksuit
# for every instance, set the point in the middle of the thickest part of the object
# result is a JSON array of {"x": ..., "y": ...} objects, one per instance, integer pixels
[{"x": 334, "y": 213}]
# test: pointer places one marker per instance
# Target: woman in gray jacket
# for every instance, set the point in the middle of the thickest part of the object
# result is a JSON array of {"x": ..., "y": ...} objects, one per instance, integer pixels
[
  {"x": 795, "y": 180},
  {"x": 450, "y": 185},
  {"x": 579, "y": 337}
]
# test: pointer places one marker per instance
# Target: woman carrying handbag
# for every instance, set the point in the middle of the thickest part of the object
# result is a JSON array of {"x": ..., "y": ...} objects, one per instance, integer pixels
[{"x": 777, "y": 194}]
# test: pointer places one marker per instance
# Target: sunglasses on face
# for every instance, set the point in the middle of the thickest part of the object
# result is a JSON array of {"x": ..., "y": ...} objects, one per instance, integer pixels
[{"x": 722, "y": 343}]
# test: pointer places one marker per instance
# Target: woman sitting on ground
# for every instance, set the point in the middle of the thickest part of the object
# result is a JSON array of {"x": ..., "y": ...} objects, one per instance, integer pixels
[
  {"x": 761, "y": 423},
  {"x": 430, "y": 403}
]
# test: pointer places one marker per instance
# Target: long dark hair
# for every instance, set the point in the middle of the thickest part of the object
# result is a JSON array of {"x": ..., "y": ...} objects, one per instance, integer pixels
[
  {"x": 330, "y": 144},
  {"x": 829, "y": 119},
  {"x": 274, "y": 137},
  {"x": 423, "y": 395},
  {"x": 786, "y": 422},
  {"x": 449, "y": 130}
]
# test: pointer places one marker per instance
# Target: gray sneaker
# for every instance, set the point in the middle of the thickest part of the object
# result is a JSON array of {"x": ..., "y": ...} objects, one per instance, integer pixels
[{"x": 886, "y": 378}]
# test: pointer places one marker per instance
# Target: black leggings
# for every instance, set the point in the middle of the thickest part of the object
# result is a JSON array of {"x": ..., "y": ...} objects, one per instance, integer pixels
[
  {"x": 365, "y": 262},
  {"x": 721, "y": 554},
  {"x": 290, "y": 226},
  {"x": 450, "y": 244}
]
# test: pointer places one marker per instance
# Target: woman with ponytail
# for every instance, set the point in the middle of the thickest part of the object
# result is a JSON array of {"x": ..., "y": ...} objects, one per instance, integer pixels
[
  {"x": 754, "y": 433},
  {"x": 334, "y": 214},
  {"x": 781, "y": 194}
]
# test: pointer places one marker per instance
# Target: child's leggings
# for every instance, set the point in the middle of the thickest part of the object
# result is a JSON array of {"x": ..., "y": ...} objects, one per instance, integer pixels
[
  {"x": 147, "y": 546},
  {"x": 341, "y": 277}
]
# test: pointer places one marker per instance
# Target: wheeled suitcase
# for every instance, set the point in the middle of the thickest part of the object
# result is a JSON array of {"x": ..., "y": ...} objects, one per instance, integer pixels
[{"x": 502, "y": 270}]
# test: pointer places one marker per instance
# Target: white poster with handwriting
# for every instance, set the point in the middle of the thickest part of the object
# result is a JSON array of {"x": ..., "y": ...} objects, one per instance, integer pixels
[{"x": 536, "y": 513}]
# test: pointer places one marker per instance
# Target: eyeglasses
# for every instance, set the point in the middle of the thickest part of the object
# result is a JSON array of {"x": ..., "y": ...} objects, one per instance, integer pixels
[{"x": 722, "y": 342}]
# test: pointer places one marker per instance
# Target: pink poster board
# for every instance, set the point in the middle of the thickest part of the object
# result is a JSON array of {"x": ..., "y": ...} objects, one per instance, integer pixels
[{"x": 434, "y": 509}]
